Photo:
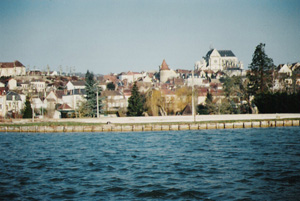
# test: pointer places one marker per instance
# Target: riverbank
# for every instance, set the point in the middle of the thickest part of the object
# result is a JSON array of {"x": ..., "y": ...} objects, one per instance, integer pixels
[{"x": 126, "y": 124}]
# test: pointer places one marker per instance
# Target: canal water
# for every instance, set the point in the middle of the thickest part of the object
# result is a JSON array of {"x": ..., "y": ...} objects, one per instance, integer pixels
[{"x": 238, "y": 164}]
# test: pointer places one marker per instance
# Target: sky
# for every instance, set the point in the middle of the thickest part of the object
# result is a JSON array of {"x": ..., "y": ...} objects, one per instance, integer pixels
[{"x": 114, "y": 36}]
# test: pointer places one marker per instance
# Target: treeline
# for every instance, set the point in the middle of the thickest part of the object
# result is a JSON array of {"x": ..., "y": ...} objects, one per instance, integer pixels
[{"x": 278, "y": 102}]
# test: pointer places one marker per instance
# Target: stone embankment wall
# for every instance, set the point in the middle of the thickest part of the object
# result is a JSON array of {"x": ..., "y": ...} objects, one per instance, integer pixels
[{"x": 151, "y": 127}]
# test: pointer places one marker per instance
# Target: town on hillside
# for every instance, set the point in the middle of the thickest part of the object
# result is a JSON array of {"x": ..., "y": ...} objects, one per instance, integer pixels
[{"x": 166, "y": 91}]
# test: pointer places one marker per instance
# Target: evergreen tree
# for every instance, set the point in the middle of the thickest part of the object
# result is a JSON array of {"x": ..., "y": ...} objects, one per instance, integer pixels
[
  {"x": 259, "y": 76},
  {"x": 91, "y": 95},
  {"x": 27, "y": 112},
  {"x": 135, "y": 103}
]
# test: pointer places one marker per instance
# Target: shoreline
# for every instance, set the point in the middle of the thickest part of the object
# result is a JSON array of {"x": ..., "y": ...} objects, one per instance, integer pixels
[{"x": 167, "y": 123}]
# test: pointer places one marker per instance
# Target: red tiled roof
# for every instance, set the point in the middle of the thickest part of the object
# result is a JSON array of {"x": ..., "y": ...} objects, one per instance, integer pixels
[
  {"x": 164, "y": 66},
  {"x": 11, "y": 64},
  {"x": 64, "y": 107}
]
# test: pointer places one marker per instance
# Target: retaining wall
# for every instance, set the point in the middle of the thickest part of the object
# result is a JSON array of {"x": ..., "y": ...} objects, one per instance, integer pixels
[{"x": 151, "y": 127}]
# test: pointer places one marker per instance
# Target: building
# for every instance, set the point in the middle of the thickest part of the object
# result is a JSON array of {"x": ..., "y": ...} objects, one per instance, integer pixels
[
  {"x": 165, "y": 73},
  {"x": 14, "y": 103},
  {"x": 130, "y": 76},
  {"x": 114, "y": 101},
  {"x": 216, "y": 60},
  {"x": 15, "y": 68},
  {"x": 285, "y": 69},
  {"x": 38, "y": 85},
  {"x": 71, "y": 85}
]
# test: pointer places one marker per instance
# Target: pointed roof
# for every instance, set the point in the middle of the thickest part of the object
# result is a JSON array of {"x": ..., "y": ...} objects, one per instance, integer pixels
[
  {"x": 64, "y": 106},
  {"x": 164, "y": 66},
  {"x": 223, "y": 53}
]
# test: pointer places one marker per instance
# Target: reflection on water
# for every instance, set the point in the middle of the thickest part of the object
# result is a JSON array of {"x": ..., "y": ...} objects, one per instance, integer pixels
[{"x": 251, "y": 164}]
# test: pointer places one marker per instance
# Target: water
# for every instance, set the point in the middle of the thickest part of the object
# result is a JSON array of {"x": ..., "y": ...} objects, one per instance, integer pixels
[{"x": 240, "y": 164}]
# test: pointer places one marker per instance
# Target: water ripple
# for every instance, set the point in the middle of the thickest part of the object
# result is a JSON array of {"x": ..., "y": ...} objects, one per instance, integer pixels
[{"x": 242, "y": 164}]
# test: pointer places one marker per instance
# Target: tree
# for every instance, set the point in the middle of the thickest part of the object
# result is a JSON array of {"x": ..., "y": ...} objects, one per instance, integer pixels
[
  {"x": 135, "y": 103},
  {"x": 260, "y": 71},
  {"x": 211, "y": 107},
  {"x": 82, "y": 110},
  {"x": 27, "y": 112},
  {"x": 202, "y": 109},
  {"x": 154, "y": 102},
  {"x": 111, "y": 86},
  {"x": 183, "y": 97},
  {"x": 235, "y": 89},
  {"x": 91, "y": 95}
]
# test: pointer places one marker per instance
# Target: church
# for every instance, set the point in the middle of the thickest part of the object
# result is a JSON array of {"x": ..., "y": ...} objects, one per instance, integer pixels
[{"x": 219, "y": 60}]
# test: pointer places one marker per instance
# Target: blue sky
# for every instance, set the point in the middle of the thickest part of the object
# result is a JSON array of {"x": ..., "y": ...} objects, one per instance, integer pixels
[{"x": 136, "y": 35}]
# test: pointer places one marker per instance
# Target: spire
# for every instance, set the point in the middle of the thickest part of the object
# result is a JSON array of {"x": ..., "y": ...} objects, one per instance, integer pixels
[{"x": 164, "y": 66}]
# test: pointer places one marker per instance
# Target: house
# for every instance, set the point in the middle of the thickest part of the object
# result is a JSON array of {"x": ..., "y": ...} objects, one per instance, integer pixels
[
  {"x": 114, "y": 101},
  {"x": 15, "y": 68},
  {"x": 201, "y": 95},
  {"x": 284, "y": 69},
  {"x": 24, "y": 85},
  {"x": 53, "y": 98},
  {"x": 200, "y": 73},
  {"x": 74, "y": 98},
  {"x": 71, "y": 85},
  {"x": 102, "y": 85},
  {"x": 14, "y": 103},
  {"x": 196, "y": 81},
  {"x": 235, "y": 72},
  {"x": 109, "y": 78},
  {"x": 146, "y": 79},
  {"x": 38, "y": 103},
  {"x": 65, "y": 110},
  {"x": 52, "y": 73},
  {"x": 130, "y": 76},
  {"x": 296, "y": 67},
  {"x": 38, "y": 85}
]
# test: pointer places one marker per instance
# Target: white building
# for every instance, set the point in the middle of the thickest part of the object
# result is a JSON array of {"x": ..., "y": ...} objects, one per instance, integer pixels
[
  {"x": 38, "y": 85},
  {"x": 197, "y": 81},
  {"x": 114, "y": 101},
  {"x": 14, "y": 103},
  {"x": 74, "y": 99},
  {"x": 71, "y": 85},
  {"x": 165, "y": 73},
  {"x": 216, "y": 60},
  {"x": 285, "y": 70},
  {"x": 130, "y": 76},
  {"x": 15, "y": 68}
]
